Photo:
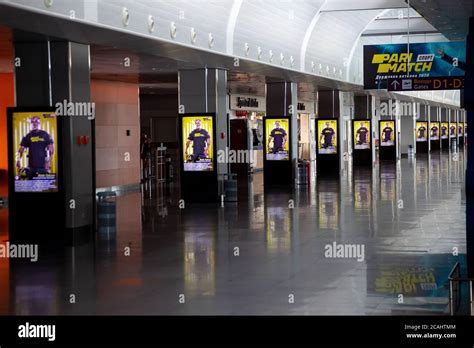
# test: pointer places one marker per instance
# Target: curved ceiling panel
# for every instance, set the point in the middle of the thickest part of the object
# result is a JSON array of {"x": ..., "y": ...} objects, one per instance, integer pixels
[
  {"x": 332, "y": 41},
  {"x": 278, "y": 26}
]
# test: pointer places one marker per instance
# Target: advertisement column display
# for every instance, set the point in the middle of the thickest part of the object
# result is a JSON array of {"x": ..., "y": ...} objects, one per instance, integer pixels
[
  {"x": 434, "y": 136},
  {"x": 362, "y": 142},
  {"x": 198, "y": 160},
  {"x": 277, "y": 154},
  {"x": 388, "y": 140},
  {"x": 461, "y": 134},
  {"x": 421, "y": 131},
  {"x": 34, "y": 172},
  {"x": 445, "y": 136},
  {"x": 327, "y": 146}
]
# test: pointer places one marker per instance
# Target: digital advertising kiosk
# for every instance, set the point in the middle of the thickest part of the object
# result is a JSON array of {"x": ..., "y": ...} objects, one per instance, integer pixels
[
  {"x": 444, "y": 136},
  {"x": 36, "y": 195},
  {"x": 435, "y": 128},
  {"x": 197, "y": 134},
  {"x": 388, "y": 140},
  {"x": 421, "y": 134},
  {"x": 277, "y": 163},
  {"x": 362, "y": 142},
  {"x": 327, "y": 150}
]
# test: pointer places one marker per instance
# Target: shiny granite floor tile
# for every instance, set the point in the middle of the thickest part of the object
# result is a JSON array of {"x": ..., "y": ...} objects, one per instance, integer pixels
[{"x": 408, "y": 217}]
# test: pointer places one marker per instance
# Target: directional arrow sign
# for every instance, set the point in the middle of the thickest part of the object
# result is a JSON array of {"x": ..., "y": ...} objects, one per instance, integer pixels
[
  {"x": 395, "y": 85},
  {"x": 425, "y": 83}
]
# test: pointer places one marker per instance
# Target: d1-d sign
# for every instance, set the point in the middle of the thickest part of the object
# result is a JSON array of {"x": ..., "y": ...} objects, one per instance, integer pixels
[
  {"x": 425, "y": 83},
  {"x": 436, "y": 60}
]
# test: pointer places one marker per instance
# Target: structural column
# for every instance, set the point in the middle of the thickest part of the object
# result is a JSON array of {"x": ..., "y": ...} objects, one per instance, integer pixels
[
  {"x": 330, "y": 105},
  {"x": 282, "y": 101},
  {"x": 205, "y": 91},
  {"x": 407, "y": 126},
  {"x": 50, "y": 72}
]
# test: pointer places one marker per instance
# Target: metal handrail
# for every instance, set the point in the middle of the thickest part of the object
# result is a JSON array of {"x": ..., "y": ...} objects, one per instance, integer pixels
[{"x": 455, "y": 278}]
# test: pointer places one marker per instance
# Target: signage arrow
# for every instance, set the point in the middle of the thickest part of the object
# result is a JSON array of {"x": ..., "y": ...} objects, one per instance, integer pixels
[{"x": 395, "y": 84}]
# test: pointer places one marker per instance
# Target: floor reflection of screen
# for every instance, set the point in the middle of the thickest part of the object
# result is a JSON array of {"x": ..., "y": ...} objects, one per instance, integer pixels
[
  {"x": 328, "y": 208},
  {"x": 278, "y": 229},
  {"x": 199, "y": 263},
  {"x": 362, "y": 194}
]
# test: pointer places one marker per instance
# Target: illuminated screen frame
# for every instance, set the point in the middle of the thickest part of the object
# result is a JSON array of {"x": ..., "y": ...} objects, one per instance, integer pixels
[
  {"x": 184, "y": 135},
  {"x": 460, "y": 135},
  {"x": 392, "y": 125},
  {"x": 267, "y": 131},
  {"x": 447, "y": 130},
  {"x": 427, "y": 130},
  {"x": 439, "y": 130},
  {"x": 354, "y": 134},
  {"x": 320, "y": 125}
]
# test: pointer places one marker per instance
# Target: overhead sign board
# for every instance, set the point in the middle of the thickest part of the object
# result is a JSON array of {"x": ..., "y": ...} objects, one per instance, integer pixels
[
  {"x": 419, "y": 60},
  {"x": 425, "y": 83}
]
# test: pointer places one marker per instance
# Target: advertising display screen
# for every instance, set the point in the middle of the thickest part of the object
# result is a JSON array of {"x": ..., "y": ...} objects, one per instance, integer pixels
[
  {"x": 444, "y": 130},
  {"x": 387, "y": 133},
  {"x": 361, "y": 131},
  {"x": 425, "y": 60},
  {"x": 34, "y": 153},
  {"x": 197, "y": 143},
  {"x": 460, "y": 129},
  {"x": 452, "y": 130},
  {"x": 327, "y": 137},
  {"x": 421, "y": 131},
  {"x": 434, "y": 131},
  {"x": 278, "y": 139}
]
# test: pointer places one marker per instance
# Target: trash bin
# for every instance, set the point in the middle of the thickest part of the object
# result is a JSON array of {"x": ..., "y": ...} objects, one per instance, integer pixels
[
  {"x": 302, "y": 173},
  {"x": 411, "y": 153},
  {"x": 230, "y": 187},
  {"x": 107, "y": 215}
]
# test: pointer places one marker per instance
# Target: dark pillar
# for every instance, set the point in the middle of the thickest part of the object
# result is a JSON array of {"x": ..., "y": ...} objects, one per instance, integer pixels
[
  {"x": 205, "y": 91},
  {"x": 282, "y": 101},
  {"x": 469, "y": 106},
  {"x": 55, "y": 71}
]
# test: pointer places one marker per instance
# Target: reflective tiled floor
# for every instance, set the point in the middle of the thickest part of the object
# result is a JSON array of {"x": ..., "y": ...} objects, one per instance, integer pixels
[{"x": 262, "y": 256}]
